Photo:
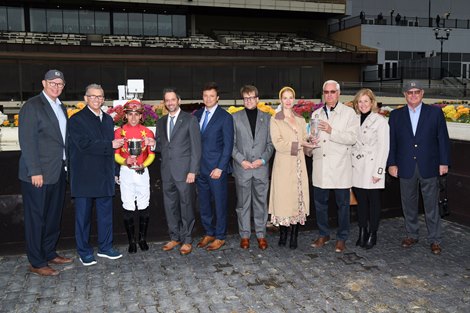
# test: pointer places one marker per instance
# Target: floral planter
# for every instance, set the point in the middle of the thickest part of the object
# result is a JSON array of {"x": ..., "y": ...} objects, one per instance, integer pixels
[
  {"x": 459, "y": 131},
  {"x": 9, "y": 139}
]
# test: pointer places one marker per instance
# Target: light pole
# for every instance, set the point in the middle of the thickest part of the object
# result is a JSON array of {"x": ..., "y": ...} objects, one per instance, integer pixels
[{"x": 442, "y": 35}]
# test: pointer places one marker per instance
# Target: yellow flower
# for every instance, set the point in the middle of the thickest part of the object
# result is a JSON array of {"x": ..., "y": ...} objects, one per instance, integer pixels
[
  {"x": 16, "y": 122},
  {"x": 6, "y": 123},
  {"x": 266, "y": 108},
  {"x": 80, "y": 105}
]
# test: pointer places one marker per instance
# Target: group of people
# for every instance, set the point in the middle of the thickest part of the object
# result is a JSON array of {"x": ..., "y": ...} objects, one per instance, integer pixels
[{"x": 198, "y": 151}]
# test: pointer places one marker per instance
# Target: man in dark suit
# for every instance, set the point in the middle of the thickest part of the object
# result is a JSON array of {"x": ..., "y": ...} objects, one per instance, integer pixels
[
  {"x": 179, "y": 141},
  {"x": 251, "y": 152},
  {"x": 92, "y": 169},
  {"x": 419, "y": 153},
  {"x": 42, "y": 131},
  {"x": 216, "y": 126}
]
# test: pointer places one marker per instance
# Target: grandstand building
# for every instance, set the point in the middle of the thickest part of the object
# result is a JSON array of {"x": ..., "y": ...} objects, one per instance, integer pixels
[{"x": 180, "y": 43}]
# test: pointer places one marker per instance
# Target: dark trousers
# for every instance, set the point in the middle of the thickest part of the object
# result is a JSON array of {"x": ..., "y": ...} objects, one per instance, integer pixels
[
  {"x": 42, "y": 214},
  {"x": 178, "y": 199},
  {"x": 214, "y": 220},
  {"x": 368, "y": 208},
  {"x": 321, "y": 197},
  {"x": 409, "y": 189},
  {"x": 104, "y": 216}
]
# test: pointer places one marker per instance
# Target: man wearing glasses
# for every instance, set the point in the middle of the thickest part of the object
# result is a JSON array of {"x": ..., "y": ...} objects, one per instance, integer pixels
[
  {"x": 252, "y": 149},
  {"x": 42, "y": 133},
  {"x": 419, "y": 154},
  {"x": 332, "y": 168},
  {"x": 91, "y": 148}
]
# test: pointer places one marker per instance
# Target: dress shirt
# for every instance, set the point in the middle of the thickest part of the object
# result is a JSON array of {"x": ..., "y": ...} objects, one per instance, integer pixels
[
  {"x": 174, "y": 121},
  {"x": 211, "y": 113},
  {"x": 59, "y": 113},
  {"x": 414, "y": 116}
]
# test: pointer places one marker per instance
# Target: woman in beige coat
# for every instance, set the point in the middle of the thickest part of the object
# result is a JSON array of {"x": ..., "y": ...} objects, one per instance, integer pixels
[
  {"x": 289, "y": 196},
  {"x": 369, "y": 158}
]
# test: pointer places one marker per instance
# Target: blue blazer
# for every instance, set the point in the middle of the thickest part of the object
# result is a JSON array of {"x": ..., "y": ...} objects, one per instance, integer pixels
[
  {"x": 216, "y": 141},
  {"x": 91, "y": 155},
  {"x": 429, "y": 148}
]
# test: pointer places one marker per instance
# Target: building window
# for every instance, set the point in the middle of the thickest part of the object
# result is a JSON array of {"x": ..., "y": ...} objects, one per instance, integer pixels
[
  {"x": 164, "y": 25},
  {"x": 179, "y": 25},
  {"x": 54, "y": 21},
  {"x": 120, "y": 24},
  {"x": 71, "y": 21},
  {"x": 102, "y": 23},
  {"x": 37, "y": 18},
  {"x": 14, "y": 19},
  {"x": 87, "y": 22},
  {"x": 135, "y": 24},
  {"x": 150, "y": 24}
]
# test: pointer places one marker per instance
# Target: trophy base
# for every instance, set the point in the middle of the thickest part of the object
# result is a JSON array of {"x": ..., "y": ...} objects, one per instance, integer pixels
[{"x": 135, "y": 167}]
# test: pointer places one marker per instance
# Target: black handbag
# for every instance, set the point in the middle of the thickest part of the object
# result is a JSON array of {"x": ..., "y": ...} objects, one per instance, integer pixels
[{"x": 443, "y": 200}]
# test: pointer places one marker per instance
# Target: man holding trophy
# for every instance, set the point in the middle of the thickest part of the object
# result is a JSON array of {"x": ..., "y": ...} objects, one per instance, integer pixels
[
  {"x": 134, "y": 157},
  {"x": 91, "y": 149}
]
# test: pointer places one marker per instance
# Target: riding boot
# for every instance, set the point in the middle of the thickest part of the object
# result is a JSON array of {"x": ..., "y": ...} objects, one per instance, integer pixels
[
  {"x": 293, "y": 236},
  {"x": 130, "y": 230},
  {"x": 361, "y": 241},
  {"x": 371, "y": 241},
  {"x": 143, "y": 225},
  {"x": 282, "y": 235}
]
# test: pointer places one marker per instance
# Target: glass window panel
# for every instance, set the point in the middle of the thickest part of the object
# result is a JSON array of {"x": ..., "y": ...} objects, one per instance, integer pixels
[
  {"x": 135, "y": 24},
  {"x": 264, "y": 84},
  {"x": 306, "y": 83},
  {"x": 87, "y": 22},
  {"x": 15, "y": 19},
  {"x": 224, "y": 78},
  {"x": 3, "y": 18},
  {"x": 181, "y": 76},
  {"x": 466, "y": 57},
  {"x": 179, "y": 25},
  {"x": 404, "y": 55},
  {"x": 54, "y": 21},
  {"x": 150, "y": 24},
  {"x": 120, "y": 25},
  {"x": 456, "y": 57},
  {"x": 37, "y": 19},
  {"x": 164, "y": 25},
  {"x": 158, "y": 79},
  {"x": 70, "y": 21},
  {"x": 102, "y": 23},
  {"x": 9, "y": 83},
  {"x": 391, "y": 55}
]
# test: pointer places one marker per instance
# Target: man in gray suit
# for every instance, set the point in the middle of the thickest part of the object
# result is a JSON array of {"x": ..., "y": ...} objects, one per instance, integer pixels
[
  {"x": 252, "y": 149},
  {"x": 42, "y": 131},
  {"x": 179, "y": 141}
]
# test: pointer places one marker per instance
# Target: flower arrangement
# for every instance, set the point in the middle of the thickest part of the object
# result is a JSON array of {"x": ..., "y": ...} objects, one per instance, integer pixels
[
  {"x": 5, "y": 122},
  {"x": 149, "y": 116},
  {"x": 459, "y": 114},
  {"x": 262, "y": 106},
  {"x": 305, "y": 108},
  {"x": 72, "y": 110}
]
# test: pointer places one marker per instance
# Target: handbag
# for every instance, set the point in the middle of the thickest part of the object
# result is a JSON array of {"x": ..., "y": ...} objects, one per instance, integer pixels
[{"x": 352, "y": 198}]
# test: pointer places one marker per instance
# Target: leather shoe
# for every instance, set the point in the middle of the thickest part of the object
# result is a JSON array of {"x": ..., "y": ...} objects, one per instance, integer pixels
[
  {"x": 320, "y": 241},
  {"x": 171, "y": 245},
  {"x": 205, "y": 241},
  {"x": 44, "y": 271},
  {"x": 186, "y": 249},
  {"x": 436, "y": 248},
  {"x": 340, "y": 246},
  {"x": 215, "y": 245},
  {"x": 245, "y": 243},
  {"x": 262, "y": 243},
  {"x": 408, "y": 242},
  {"x": 59, "y": 260}
]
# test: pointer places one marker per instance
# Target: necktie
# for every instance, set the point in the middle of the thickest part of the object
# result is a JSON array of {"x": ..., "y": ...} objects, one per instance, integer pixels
[
  {"x": 172, "y": 124},
  {"x": 206, "y": 120}
]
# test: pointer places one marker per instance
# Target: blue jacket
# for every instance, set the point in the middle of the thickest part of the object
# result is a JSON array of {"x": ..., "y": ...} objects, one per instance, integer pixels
[
  {"x": 91, "y": 155},
  {"x": 217, "y": 142},
  {"x": 429, "y": 148}
]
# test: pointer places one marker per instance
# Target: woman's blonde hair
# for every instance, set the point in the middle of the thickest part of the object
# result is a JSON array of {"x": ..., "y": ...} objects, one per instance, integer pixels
[
  {"x": 370, "y": 94},
  {"x": 284, "y": 89}
]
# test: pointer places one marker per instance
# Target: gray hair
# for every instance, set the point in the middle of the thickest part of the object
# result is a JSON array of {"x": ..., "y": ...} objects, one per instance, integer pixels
[
  {"x": 94, "y": 86},
  {"x": 332, "y": 82}
]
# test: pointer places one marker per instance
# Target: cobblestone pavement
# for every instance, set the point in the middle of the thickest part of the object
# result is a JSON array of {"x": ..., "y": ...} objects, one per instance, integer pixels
[{"x": 386, "y": 278}]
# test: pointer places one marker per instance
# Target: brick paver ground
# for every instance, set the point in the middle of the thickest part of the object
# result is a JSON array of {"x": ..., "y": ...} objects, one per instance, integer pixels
[{"x": 386, "y": 278}]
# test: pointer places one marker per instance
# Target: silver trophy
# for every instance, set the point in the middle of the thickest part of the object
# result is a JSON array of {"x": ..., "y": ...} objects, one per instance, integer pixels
[
  {"x": 314, "y": 130},
  {"x": 134, "y": 147}
]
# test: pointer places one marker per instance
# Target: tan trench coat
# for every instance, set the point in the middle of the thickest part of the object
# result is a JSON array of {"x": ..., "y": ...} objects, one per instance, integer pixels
[
  {"x": 332, "y": 168},
  {"x": 283, "y": 199},
  {"x": 369, "y": 154}
]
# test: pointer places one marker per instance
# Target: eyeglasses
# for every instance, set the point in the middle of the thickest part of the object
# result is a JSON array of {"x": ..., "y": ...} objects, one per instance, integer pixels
[
  {"x": 93, "y": 98},
  {"x": 54, "y": 84},
  {"x": 331, "y": 92},
  {"x": 246, "y": 99},
  {"x": 413, "y": 92}
]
